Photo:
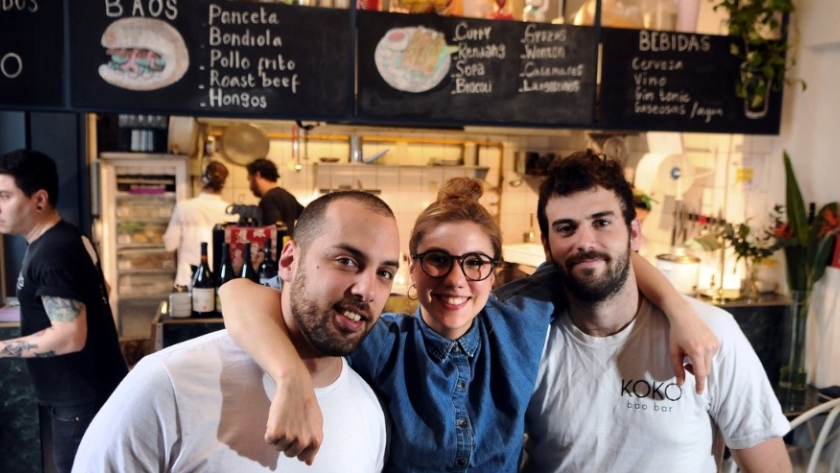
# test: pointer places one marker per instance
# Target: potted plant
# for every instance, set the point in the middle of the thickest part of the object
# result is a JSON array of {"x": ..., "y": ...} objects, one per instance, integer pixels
[
  {"x": 807, "y": 243},
  {"x": 752, "y": 248},
  {"x": 762, "y": 47}
]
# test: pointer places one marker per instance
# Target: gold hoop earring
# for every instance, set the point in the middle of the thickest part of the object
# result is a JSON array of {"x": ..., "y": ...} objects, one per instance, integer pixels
[{"x": 408, "y": 293}]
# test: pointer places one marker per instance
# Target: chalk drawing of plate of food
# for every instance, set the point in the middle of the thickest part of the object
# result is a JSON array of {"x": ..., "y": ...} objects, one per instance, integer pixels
[
  {"x": 413, "y": 59},
  {"x": 143, "y": 54}
]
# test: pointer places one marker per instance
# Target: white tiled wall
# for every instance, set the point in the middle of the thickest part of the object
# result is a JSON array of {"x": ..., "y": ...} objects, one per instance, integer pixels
[{"x": 733, "y": 180}]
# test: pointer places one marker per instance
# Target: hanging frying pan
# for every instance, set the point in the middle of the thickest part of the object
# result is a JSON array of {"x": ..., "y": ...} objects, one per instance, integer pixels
[
  {"x": 183, "y": 135},
  {"x": 243, "y": 143}
]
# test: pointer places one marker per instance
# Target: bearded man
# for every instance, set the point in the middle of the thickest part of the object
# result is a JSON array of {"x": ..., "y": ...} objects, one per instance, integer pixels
[
  {"x": 192, "y": 406},
  {"x": 606, "y": 397}
]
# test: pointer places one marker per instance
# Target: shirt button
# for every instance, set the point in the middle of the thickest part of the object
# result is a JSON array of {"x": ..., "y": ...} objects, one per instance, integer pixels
[
  {"x": 461, "y": 462},
  {"x": 461, "y": 385},
  {"x": 462, "y": 423},
  {"x": 456, "y": 349}
]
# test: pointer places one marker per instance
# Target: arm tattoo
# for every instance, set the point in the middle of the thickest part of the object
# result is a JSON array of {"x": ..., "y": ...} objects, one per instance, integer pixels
[
  {"x": 18, "y": 349},
  {"x": 60, "y": 309},
  {"x": 24, "y": 348}
]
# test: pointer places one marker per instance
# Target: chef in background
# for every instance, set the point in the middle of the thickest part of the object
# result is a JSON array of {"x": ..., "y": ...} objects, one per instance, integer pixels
[
  {"x": 276, "y": 203},
  {"x": 193, "y": 220}
]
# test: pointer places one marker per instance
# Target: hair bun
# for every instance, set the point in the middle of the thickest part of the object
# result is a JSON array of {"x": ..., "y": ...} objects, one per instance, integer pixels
[
  {"x": 215, "y": 174},
  {"x": 461, "y": 188}
]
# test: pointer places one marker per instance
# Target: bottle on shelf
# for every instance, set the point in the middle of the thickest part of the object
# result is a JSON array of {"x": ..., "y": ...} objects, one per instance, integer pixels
[
  {"x": 268, "y": 267},
  {"x": 226, "y": 273},
  {"x": 203, "y": 288},
  {"x": 283, "y": 236},
  {"x": 247, "y": 270}
]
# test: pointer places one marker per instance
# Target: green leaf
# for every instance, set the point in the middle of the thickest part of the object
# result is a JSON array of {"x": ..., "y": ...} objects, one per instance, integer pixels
[
  {"x": 796, "y": 272},
  {"x": 823, "y": 247},
  {"x": 794, "y": 204}
]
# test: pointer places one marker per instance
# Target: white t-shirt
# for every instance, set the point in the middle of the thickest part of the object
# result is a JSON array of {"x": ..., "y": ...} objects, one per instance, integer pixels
[
  {"x": 191, "y": 223},
  {"x": 202, "y": 406},
  {"x": 612, "y": 403}
]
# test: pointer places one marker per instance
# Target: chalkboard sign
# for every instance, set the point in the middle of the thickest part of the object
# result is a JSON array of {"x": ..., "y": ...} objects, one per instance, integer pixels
[
  {"x": 667, "y": 81},
  {"x": 428, "y": 67},
  {"x": 31, "y": 54},
  {"x": 210, "y": 58}
]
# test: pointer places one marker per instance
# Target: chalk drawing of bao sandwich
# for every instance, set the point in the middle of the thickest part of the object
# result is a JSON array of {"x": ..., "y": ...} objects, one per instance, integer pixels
[{"x": 144, "y": 54}]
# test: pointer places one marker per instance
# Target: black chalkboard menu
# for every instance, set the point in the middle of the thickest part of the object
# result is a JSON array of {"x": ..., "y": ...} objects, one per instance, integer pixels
[
  {"x": 668, "y": 81},
  {"x": 207, "y": 57},
  {"x": 31, "y": 54},
  {"x": 463, "y": 70}
]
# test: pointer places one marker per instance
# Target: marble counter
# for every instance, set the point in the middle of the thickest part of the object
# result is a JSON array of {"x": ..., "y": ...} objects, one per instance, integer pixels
[
  {"x": 20, "y": 433},
  {"x": 766, "y": 323}
]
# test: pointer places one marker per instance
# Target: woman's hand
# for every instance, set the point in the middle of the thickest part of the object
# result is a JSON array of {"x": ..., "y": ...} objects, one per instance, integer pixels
[{"x": 692, "y": 338}]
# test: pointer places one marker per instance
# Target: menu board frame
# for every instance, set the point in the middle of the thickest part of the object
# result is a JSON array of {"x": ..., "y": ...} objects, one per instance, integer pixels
[
  {"x": 670, "y": 81},
  {"x": 242, "y": 59},
  {"x": 32, "y": 71},
  {"x": 487, "y": 72},
  {"x": 481, "y": 72}
]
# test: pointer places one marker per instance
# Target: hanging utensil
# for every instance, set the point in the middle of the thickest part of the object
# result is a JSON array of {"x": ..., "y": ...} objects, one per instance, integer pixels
[
  {"x": 294, "y": 163},
  {"x": 530, "y": 236},
  {"x": 305, "y": 146},
  {"x": 242, "y": 143}
]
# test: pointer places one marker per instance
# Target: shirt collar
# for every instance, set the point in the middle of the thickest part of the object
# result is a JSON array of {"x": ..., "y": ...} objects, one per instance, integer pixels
[{"x": 440, "y": 347}]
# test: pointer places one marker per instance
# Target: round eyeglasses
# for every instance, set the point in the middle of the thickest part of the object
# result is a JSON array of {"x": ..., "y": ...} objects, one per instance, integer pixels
[{"x": 438, "y": 264}]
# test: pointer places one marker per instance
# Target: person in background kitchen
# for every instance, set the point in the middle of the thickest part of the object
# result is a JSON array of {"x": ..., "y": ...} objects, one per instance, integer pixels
[
  {"x": 193, "y": 220},
  {"x": 68, "y": 337},
  {"x": 276, "y": 203},
  {"x": 456, "y": 377},
  {"x": 192, "y": 407},
  {"x": 608, "y": 351}
]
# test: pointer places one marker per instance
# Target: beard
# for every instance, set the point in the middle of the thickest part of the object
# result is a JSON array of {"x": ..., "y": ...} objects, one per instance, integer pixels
[
  {"x": 589, "y": 287},
  {"x": 316, "y": 321}
]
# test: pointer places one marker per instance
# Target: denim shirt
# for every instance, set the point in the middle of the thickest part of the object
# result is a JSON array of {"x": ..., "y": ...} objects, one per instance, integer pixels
[{"x": 460, "y": 405}]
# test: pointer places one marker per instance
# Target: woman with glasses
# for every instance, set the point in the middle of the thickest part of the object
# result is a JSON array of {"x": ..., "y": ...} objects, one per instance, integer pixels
[{"x": 455, "y": 378}]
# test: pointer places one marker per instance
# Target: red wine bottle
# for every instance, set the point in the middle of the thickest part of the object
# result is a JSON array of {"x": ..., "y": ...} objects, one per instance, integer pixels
[
  {"x": 247, "y": 270},
  {"x": 203, "y": 288},
  {"x": 226, "y": 273},
  {"x": 268, "y": 267}
]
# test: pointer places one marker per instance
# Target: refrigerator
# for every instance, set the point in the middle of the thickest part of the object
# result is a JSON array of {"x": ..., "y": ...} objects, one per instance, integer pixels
[{"x": 135, "y": 196}]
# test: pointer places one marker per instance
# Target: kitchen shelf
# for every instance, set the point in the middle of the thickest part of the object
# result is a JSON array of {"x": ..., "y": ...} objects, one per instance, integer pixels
[
  {"x": 140, "y": 246},
  {"x": 408, "y": 166},
  {"x": 143, "y": 297},
  {"x": 149, "y": 271},
  {"x": 160, "y": 220},
  {"x": 129, "y": 155}
]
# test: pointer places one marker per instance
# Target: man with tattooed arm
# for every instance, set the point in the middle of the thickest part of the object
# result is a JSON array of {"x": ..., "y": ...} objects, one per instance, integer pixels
[{"x": 68, "y": 337}]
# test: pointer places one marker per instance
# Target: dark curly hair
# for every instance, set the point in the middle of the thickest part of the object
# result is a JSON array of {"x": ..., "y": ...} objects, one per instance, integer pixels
[
  {"x": 585, "y": 170},
  {"x": 266, "y": 168}
]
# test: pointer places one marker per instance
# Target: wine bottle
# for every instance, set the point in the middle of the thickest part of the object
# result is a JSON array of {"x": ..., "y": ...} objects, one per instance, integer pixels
[
  {"x": 247, "y": 270},
  {"x": 226, "y": 273},
  {"x": 268, "y": 267},
  {"x": 203, "y": 288}
]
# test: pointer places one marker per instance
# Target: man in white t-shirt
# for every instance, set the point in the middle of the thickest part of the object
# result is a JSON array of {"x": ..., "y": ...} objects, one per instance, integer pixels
[
  {"x": 606, "y": 397},
  {"x": 192, "y": 406}
]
